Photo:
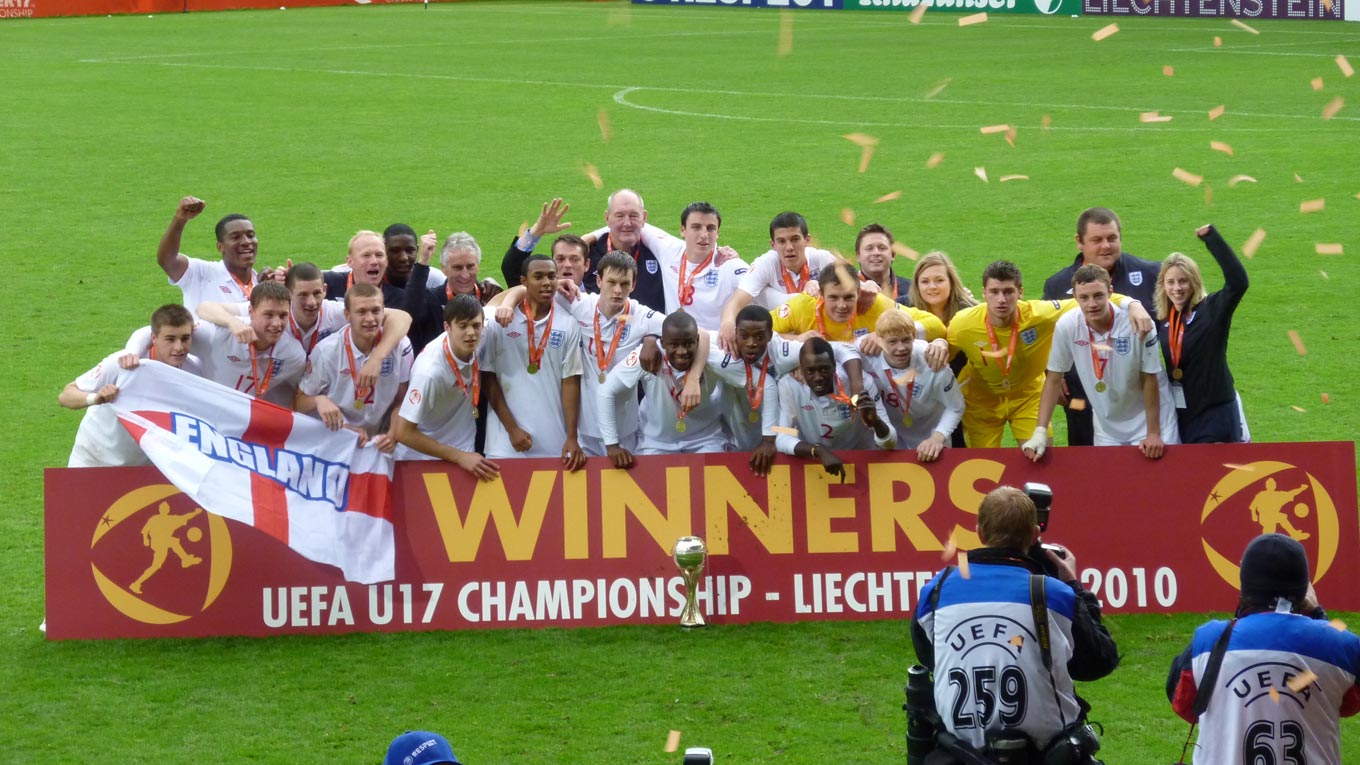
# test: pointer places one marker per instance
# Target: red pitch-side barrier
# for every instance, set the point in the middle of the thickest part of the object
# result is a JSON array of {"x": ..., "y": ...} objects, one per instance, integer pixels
[{"x": 545, "y": 548}]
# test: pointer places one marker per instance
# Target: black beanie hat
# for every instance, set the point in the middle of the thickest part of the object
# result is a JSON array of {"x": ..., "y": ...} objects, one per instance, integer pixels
[{"x": 1274, "y": 566}]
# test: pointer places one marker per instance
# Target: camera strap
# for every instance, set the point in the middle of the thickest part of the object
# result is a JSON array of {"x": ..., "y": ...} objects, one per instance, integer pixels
[
  {"x": 1205, "y": 689},
  {"x": 1038, "y": 603}
]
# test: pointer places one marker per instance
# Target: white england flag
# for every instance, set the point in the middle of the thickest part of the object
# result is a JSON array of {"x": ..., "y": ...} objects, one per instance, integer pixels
[{"x": 255, "y": 462}]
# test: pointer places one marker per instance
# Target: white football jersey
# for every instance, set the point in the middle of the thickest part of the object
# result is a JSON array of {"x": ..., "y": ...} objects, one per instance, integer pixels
[
  {"x": 747, "y": 425},
  {"x": 331, "y": 373},
  {"x": 101, "y": 440},
  {"x": 765, "y": 281},
  {"x": 436, "y": 404},
  {"x": 1119, "y": 415},
  {"x": 713, "y": 284},
  {"x": 209, "y": 281},
  {"x": 641, "y": 321},
  {"x": 227, "y": 361},
  {"x": 535, "y": 398},
  {"x": 935, "y": 403},
  {"x": 663, "y": 431},
  {"x": 825, "y": 421}
]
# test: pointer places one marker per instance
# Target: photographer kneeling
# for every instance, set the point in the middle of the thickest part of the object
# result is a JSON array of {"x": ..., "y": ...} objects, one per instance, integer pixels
[{"x": 1005, "y": 643}]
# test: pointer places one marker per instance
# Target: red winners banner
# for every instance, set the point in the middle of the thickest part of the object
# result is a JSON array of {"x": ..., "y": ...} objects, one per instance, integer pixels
[{"x": 128, "y": 555}]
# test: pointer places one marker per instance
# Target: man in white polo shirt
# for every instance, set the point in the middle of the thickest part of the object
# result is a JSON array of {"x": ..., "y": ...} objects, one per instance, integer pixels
[
  {"x": 532, "y": 372},
  {"x": 229, "y": 280},
  {"x": 101, "y": 440},
  {"x": 1127, "y": 388},
  {"x": 667, "y": 427},
  {"x": 332, "y": 388},
  {"x": 438, "y": 416}
]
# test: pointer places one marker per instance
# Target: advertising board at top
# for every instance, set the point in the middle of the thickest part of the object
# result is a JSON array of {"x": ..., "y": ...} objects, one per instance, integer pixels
[
  {"x": 831, "y": 5},
  {"x": 1316, "y": 10},
  {"x": 1042, "y": 7},
  {"x": 129, "y": 555}
]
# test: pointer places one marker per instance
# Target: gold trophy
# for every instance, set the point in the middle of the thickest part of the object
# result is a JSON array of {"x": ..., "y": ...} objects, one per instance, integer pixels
[{"x": 690, "y": 554}]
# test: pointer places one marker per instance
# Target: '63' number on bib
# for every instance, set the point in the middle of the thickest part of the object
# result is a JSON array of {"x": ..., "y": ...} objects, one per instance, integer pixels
[{"x": 987, "y": 697}]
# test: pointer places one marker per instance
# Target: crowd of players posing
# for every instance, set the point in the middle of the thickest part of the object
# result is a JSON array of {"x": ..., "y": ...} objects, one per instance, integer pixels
[{"x": 633, "y": 341}]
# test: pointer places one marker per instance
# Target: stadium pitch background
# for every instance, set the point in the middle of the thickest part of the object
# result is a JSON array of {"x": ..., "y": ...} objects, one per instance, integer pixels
[{"x": 468, "y": 116}]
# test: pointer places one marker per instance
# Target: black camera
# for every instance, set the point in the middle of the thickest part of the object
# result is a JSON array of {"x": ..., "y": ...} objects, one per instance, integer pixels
[
  {"x": 1076, "y": 745},
  {"x": 921, "y": 714},
  {"x": 698, "y": 755}
]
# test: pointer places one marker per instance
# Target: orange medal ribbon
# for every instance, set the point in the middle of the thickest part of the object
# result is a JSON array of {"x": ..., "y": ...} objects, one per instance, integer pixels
[
  {"x": 359, "y": 393},
  {"x": 680, "y": 413},
  {"x": 603, "y": 361},
  {"x": 791, "y": 287},
  {"x": 1010, "y": 353},
  {"x": 261, "y": 385},
  {"x": 448, "y": 290},
  {"x": 297, "y": 332},
  {"x": 1098, "y": 363},
  {"x": 756, "y": 394},
  {"x": 536, "y": 354},
  {"x": 687, "y": 283},
  {"x": 841, "y": 397},
  {"x": 1174, "y": 337},
  {"x": 246, "y": 287},
  {"x": 476, "y": 394}
]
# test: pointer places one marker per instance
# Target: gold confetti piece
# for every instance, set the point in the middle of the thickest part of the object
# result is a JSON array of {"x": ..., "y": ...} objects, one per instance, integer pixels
[
  {"x": 1076, "y": 404},
  {"x": 1005, "y": 178},
  {"x": 1235, "y": 466},
  {"x": 1327, "y": 400},
  {"x": 917, "y": 14},
  {"x": 951, "y": 548},
  {"x": 1330, "y": 249},
  {"x": 1103, "y": 32},
  {"x": 606, "y": 132},
  {"x": 673, "y": 741},
  {"x": 593, "y": 175},
  {"x": 1312, "y": 205},
  {"x": 848, "y": 216},
  {"x": 1103, "y": 348},
  {"x": 1332, "y": 108},
  {"x": 1218, "y": 41},
  {"x": 523, "y": 226},
  {"x": 1301, "y": 680},
  {"x": 1046, "y": 123},
  {"x": 1316, "y": 82},
  {"x": 981, "y": 172},
  {"x": 939, "y": 88},
  {"x": 786, "y": 431},
  {"x": 1011, "y": 136},
  {"x": 1324, "y": 274},
  {"x": 890, "y": 196},
  {"x": 1242, "y": 26},
  {"x": 1327, "y": 5},
  {"x": 865, "y": 155},
  {"x": 990, "y": 129},
  {"x": 1254, "y": 242},
  {"x": 1216, "y": 112},
  {"x": 934, "y": 160},
  {"x": 861, "y": 139},
  {"x": 1345, "y": 66},
  {"x": 906, "y": 378},
  {"x": 1168, "y": 71},
  {"x": 996, "y": 354},
  {"x": 1185, "y": 176},
  {"x": 976, "y": 18},
  {"x": 1236, "y": 179},
  {"x": 1220, "y": 146},
  {"x": 1299, "y": 409},
  {"x": 903, "y": 251},
  {"x": 1274, "y": 694},
  {"x": 1208, "y": 194},
  {"x": 1298, "y": 342},
  {"x": 785, "y": 46},
  {"x": 1018, "y": 641},
  {"x": 1337, "y": 624},
  {"x": 963, "y": 566},
  {"x": 1153, "y": 117}
]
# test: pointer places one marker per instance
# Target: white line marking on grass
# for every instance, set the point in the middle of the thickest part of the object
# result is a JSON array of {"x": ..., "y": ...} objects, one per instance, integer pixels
[
  {"x": 621, "y": 93},
  {"x": 1226, "y": 51}
]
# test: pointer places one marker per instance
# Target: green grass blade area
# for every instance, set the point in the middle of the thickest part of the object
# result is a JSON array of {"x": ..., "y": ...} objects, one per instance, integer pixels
[{"x": 468, "y": 116}]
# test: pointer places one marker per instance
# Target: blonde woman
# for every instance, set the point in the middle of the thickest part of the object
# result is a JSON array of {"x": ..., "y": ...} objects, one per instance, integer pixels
[
  {"x": 1193, "y": 329},
  {"x": 936, "y": 287}
]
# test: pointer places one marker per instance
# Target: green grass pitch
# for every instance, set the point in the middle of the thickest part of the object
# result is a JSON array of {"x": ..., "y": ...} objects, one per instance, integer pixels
[{"x": 467, "y": 116}]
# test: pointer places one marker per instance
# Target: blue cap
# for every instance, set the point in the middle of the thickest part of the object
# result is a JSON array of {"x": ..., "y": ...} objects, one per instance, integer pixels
[{"x": 420, "y": 747}]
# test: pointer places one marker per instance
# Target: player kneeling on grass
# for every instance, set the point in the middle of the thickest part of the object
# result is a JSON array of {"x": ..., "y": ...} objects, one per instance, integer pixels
[
  {"x": 667, "y": 426},
  {"x": 924, "y": 405},
  {"x": 823, "y": 416},
  {"x": 1120, "y": 372},
  {"x": 1272, "y": 684},
  {"x": 332, "y": 388},
  {"x": 438, "y": 417},
  {"x": 101, "y": 440}
]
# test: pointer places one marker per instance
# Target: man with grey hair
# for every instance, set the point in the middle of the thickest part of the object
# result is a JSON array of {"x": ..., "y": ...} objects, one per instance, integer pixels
[{"x": 459, "y": 261}]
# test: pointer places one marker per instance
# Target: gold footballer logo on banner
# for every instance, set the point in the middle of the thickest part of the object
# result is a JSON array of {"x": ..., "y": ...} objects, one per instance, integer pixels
[
  {"x": 1269, "y": 497},
  {"x": 171, "y": 548}
]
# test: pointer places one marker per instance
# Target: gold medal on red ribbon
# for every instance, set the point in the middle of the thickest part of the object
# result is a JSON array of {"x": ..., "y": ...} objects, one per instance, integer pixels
[
  {"x": 680, "y": 426},
  {"x": 602, "y": 378},
  {"x": 753, "y": 416},
  {"x": 358, "y": 403},
  {"x": 1101, "y": 387}
]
